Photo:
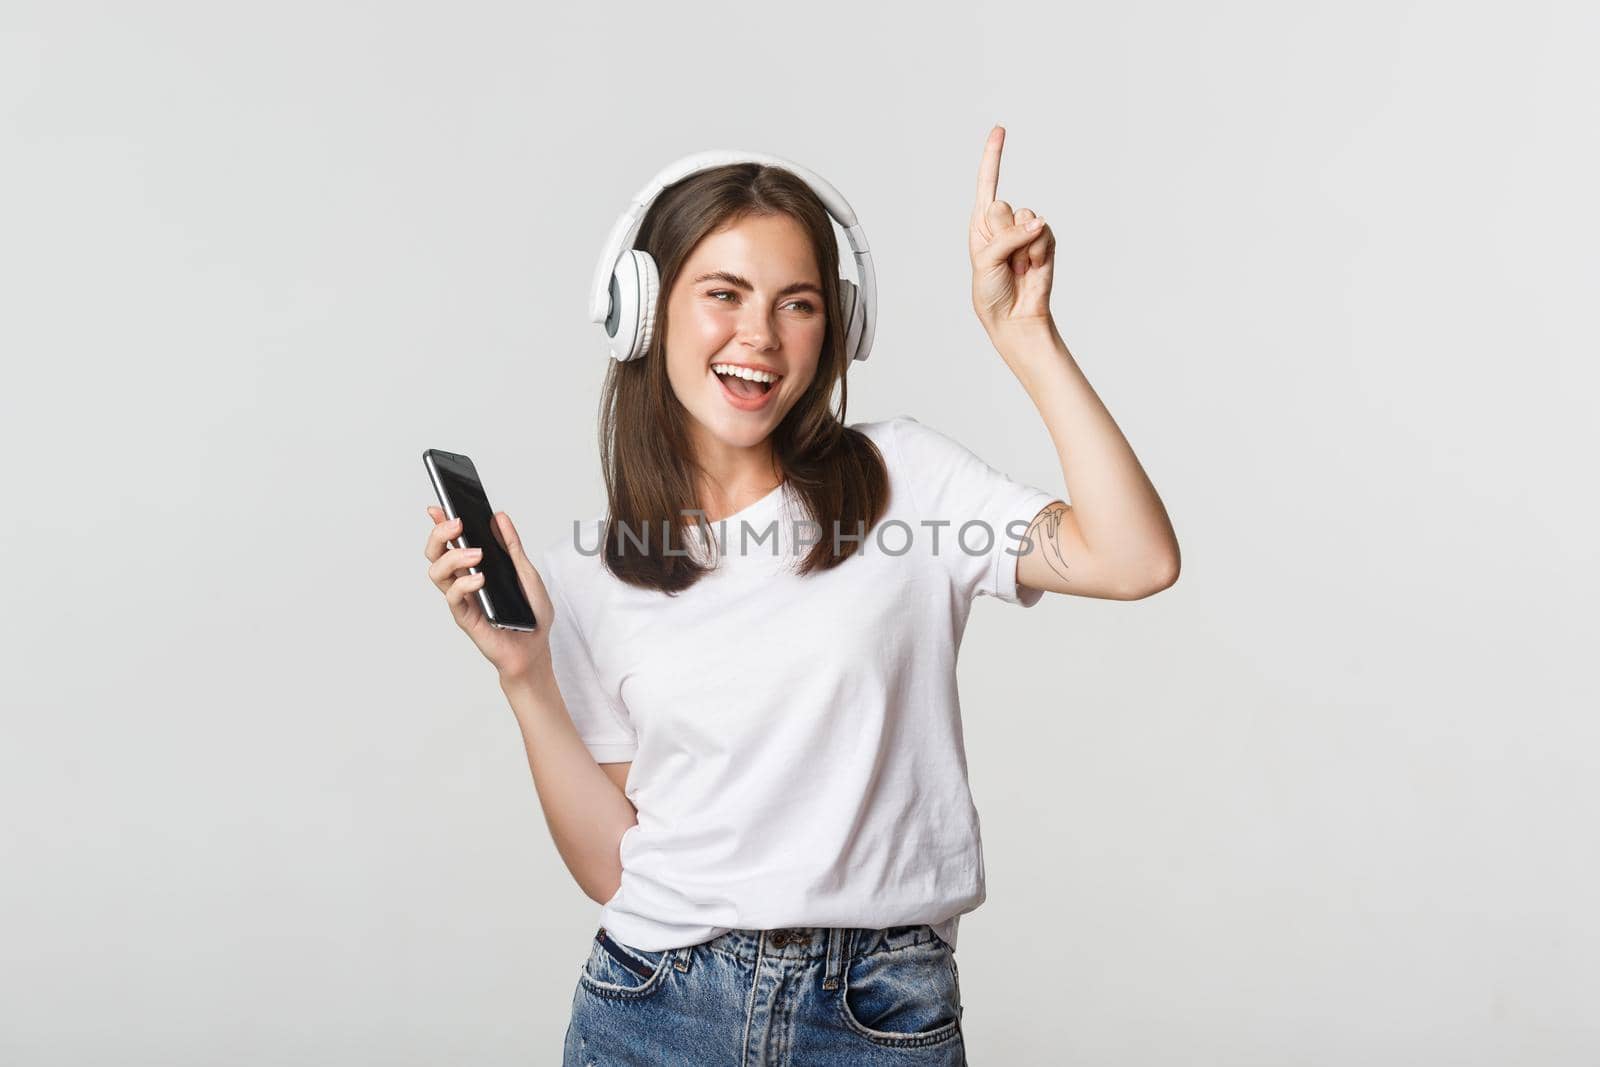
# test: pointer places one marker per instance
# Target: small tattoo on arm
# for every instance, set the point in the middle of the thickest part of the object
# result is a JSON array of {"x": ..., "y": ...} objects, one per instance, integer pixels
[{"x": 1047, "y": 528}]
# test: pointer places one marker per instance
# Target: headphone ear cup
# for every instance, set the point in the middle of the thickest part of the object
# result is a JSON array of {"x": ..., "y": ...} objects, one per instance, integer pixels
[
  {"x": 647, "y": 301},
  {"x": 635, "y": 285},
  {"x": 853, "y": 316}
]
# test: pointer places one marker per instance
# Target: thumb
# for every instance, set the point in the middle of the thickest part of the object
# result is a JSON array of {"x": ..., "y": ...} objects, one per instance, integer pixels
[
  {"x": 1007, "y": 241},
  {"x": 532, "y": 584}
]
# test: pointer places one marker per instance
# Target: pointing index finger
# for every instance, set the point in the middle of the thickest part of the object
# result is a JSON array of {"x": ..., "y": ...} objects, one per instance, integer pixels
[{"x": 989, "y": 170}]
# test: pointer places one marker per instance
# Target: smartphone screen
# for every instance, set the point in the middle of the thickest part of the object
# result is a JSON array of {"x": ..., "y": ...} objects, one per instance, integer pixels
[{"x": 461, "y": 495}]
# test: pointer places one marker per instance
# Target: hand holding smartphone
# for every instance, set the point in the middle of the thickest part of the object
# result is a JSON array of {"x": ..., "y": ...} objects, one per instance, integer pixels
[{"x": 476, "y": 559}]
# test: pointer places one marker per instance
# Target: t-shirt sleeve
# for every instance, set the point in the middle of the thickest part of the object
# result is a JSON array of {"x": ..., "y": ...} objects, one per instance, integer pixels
[
  {"x": 600, "y": 716},
  {"x": 949, "y": 484}
]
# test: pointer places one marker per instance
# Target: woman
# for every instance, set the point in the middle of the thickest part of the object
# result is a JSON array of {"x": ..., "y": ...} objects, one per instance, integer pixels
[{"x": 743, "y": 724}]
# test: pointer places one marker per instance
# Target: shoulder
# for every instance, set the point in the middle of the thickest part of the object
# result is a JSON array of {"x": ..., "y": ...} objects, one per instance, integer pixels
[
  {"x": 887, "y": 433},
  {"x": 923, "y": 463},
  {"x": 910, "y": 443},
  {"x": 879, "y": 430},
  {"x": 570, "y": 562}
]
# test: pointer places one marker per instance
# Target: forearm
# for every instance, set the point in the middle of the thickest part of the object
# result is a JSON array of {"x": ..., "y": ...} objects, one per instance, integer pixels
[
  {"x": 586, "y": 812},
  {"x": 1117, "y": 509}
]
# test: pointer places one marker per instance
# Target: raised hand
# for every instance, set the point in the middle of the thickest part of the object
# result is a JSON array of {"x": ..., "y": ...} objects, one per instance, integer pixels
[{"x": 1012, "y": 264}]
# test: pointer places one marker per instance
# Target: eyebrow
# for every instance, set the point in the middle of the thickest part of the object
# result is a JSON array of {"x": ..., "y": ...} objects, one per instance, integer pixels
[{"x": 741, "y": 283}]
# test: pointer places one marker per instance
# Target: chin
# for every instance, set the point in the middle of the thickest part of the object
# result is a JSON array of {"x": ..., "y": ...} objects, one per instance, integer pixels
[{"x": 737, "y": 429}]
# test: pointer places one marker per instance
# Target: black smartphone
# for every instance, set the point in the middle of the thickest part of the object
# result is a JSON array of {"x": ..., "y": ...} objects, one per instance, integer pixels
[{"x": 461, "y": 495}]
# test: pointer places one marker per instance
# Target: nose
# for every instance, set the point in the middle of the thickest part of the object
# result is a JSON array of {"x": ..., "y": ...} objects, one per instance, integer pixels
[{"x": 756, "y": 331}]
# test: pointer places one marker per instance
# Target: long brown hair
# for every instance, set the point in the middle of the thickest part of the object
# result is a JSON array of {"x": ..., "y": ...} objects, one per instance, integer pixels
[{"x": 646, "y": 453}]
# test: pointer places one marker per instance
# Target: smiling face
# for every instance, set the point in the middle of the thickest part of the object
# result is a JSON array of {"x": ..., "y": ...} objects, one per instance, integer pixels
[{"x": 749, "y": 296}]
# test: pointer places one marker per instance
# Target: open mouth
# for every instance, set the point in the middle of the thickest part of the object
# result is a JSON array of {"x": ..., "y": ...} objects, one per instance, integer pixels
[{"x": 745, "y": 383}]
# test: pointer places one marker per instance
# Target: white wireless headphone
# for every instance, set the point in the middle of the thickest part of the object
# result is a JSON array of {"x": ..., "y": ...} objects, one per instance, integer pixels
[{"x": 627, "y": 282}]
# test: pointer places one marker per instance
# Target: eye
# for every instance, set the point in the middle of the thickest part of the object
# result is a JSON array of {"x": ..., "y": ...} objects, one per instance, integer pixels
[{"x": 808, "y": 307}]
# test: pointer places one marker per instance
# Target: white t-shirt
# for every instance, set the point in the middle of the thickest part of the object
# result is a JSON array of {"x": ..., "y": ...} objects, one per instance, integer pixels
[{"x": 796, "y": 741}]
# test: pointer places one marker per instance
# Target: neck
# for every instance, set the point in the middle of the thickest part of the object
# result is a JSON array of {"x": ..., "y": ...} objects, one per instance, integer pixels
[{"x": 735, "y": 477}]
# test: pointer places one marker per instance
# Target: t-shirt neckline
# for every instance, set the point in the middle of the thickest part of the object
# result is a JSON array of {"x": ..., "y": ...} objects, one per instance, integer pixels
[
  {"x": 748, "y": 514},
  {"x": 755, "y": 508}
]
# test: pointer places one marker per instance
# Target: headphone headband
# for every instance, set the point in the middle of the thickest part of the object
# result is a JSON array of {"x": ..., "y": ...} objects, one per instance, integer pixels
[{"x": 626, "y": 229}]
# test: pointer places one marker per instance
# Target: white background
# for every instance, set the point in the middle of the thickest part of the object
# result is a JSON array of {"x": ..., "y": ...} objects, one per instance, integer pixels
[{"x": 1329, "y": 800}]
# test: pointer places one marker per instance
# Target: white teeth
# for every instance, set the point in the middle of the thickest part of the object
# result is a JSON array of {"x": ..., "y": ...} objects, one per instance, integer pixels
[{"x": 744, "y": 372}]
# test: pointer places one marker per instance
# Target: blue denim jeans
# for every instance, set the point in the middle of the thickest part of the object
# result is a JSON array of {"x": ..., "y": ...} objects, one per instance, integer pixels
[{"x": 805, "y": 997}]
